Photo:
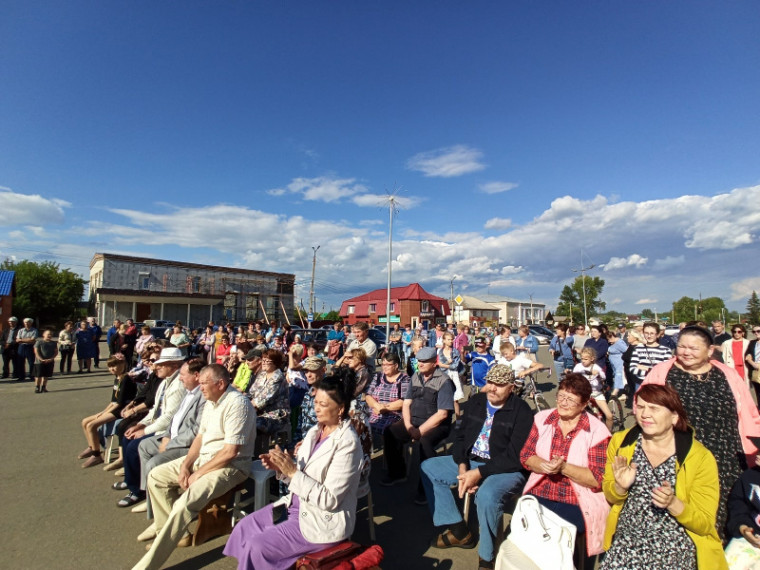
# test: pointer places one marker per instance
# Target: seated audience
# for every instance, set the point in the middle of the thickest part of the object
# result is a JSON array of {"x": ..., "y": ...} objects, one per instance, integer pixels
[
  {"x": 123, "y": 391},
  {"x": 485, "y": 462},
  {"x": 664, "y": 490},
  {"x": 320, "y": 509},
  {"x": 386, "y": 394},
  {"x": 566, "y": 453}
]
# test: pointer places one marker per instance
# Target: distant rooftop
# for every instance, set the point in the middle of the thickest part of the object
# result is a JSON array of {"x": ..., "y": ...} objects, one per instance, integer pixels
[{"x": 6, "y": 282}]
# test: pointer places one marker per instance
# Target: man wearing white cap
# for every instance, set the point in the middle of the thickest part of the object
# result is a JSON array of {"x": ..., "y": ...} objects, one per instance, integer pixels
[{"x": 169, "y": 395}]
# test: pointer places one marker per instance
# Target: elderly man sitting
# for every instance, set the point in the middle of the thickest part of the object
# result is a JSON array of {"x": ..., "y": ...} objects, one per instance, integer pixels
[
  {"x": 485, "y": 462},
  {"x": 219, "y": 459}
]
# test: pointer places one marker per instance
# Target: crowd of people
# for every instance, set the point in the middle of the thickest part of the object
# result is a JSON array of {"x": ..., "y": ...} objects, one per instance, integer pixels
[{"x": 192, "y": 410}]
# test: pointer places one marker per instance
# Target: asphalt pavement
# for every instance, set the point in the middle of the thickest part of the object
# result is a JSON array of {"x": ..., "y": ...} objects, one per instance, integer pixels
[{"x": 56, "y": 515}]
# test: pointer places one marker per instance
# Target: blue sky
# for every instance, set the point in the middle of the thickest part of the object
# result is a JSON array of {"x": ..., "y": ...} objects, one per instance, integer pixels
[{"x": 517, "y": 134}]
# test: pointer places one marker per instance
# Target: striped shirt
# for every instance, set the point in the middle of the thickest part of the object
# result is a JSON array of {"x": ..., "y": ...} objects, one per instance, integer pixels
[{"x": 647, "y": 356}]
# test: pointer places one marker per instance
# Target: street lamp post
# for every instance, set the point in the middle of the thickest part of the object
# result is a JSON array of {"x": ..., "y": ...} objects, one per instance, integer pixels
[{"x": 582, "y": 271}]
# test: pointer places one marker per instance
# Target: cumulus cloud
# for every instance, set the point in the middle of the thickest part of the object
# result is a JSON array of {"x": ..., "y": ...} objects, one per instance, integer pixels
[
  {"x": 646, "y": 301},
  {"x": 447, "y": 162},
  {"x": 498, "y": 224},
  {"x": 742, "y": 290},
  {"x": 321, "y": 188},
  {"x": 535, "y": 257},
  {"x": 497, "y": 187},
  {"x": 22, "y": 209},
  {"x": 634, "y": 260}
]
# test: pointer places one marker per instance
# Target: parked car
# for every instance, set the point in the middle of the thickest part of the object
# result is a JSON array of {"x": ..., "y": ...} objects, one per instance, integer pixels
[{"x": 378, "y": 337}]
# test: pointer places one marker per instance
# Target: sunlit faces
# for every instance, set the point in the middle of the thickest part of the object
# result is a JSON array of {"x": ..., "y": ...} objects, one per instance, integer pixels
[
  {"x": 650, "y": 335},
  {"x": 498, "y": 394},
  {"x": 326, "y": 409},
  {"x": 587, "y": 360},
  {"x": 692, "y": 352},
  {"x": 189, "y": 379},
  {"x": 569, "y": 405},
  {"x": 595, "y": 333},
  {"x": 211, "y": 388},
  {"x": 653, "y": 419},
  {"x": 313, "y": 375}
]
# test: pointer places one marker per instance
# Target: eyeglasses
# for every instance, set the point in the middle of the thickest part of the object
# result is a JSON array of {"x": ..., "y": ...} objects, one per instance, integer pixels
[
  {"x": 562, "y": 399},
  {"x": 152, "y": 360},
  {"x": 738, "y": 331},
  {"x": 756, "y": 331}
]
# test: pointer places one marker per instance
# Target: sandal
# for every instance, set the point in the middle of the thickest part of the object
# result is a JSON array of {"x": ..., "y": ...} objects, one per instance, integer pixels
[
  {"x": 130, "y": 500},
  {"x": 119, "y": 486},
  {"x": 447, "y": 540},
  {"x": 86, "y": 453}
]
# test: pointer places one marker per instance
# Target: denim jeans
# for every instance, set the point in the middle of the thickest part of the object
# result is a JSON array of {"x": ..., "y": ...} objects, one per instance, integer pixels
[{"x": 440, "y": 473}]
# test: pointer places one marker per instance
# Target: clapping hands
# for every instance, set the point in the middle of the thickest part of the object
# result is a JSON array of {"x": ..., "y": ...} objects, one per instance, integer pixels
[{"x": 624, "y": 473}]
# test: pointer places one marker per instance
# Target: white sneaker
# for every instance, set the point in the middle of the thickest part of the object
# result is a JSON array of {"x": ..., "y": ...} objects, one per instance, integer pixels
[
  {"x": 148, "y": 534},
  {"x": 141, "y": 508}
]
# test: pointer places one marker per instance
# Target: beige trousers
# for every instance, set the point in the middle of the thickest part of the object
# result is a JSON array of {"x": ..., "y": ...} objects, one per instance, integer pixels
[{"x": 173, "y": 510}]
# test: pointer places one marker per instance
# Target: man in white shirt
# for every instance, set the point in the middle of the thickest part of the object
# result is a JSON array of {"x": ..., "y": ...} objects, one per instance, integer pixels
[
  {"x": 362, "y": 340},
  {"x": 219, "y": 459}
]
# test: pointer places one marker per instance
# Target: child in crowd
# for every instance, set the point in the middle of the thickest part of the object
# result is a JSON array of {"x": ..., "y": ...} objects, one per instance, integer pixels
[
  {"x": 448, "y": 361},
  {"x": 480, "y": 363},
  {"x": 519, "y": 363},
  {"x": 596, "y": 377}
]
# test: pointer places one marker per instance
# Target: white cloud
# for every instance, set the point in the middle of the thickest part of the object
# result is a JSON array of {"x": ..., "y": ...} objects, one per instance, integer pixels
[
  {"x": 22, "y": 209},
  {"x": 741, "y": 290},
  {"x": 322, "y": 188},
  {"x": 497, "y": 187},
  {"x": 646, "y": 301},
  {"x": 381, "y": 200},
  {"x": 533, "y": 258},
  {"x": 498, "y": 224},
  {"x": 633, "y": 260},
  {"x": 447, "y": 162}
]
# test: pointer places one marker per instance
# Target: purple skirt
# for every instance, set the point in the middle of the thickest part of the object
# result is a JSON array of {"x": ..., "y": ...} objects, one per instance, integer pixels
[{"x": 260, "y": 545}]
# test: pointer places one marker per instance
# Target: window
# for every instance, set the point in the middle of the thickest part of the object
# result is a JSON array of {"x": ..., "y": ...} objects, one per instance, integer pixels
[
  {"x": 425, "y": 306},
  {"x": 143, "y": 282},
  {"x": 393, "y": 307},
  {"x": 196, "y": 285},
  {"x": 373, "y": 307},
  {"x": 351, "y": 309}
]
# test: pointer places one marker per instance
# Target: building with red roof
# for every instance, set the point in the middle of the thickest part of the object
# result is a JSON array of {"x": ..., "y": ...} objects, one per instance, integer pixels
[{"x": 410, "y": 305}]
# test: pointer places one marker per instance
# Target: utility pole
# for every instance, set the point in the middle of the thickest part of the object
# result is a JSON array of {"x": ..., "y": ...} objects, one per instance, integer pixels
[
  {"x": 311, "y": 291},
  {"x": 531, "y": 309},
  {"x": 392, "y": 208},
  {"x": 582, "y": 271},
  {"x": 453, "y": 320}
]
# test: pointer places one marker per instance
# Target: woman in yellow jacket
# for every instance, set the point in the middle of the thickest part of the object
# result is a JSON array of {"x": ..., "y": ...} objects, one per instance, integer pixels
[{"x": 664, "y": 491}]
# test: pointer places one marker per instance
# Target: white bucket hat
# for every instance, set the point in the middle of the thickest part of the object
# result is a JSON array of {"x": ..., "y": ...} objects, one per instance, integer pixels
[{"x": 172, "y": 354}]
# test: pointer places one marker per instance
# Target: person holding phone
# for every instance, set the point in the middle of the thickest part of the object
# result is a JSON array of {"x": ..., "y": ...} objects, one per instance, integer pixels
[{"x": 323, "y": 479}]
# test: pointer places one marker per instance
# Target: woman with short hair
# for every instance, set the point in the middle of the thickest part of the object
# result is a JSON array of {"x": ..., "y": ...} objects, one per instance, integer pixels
[
  {"x": 45, "y": 351},
  {"x": 323, "y": 480},
  {"x": 718, "y": 404},
  {"x": 566, "y": 452},
  {"x": 663, "y": 487}
]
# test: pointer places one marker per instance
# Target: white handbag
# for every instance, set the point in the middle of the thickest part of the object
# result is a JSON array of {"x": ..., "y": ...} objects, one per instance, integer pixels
[{"x": 540, "y": 535}]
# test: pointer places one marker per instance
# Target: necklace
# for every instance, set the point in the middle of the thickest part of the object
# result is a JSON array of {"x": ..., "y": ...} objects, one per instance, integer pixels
[{"x": 699, "y": 377}]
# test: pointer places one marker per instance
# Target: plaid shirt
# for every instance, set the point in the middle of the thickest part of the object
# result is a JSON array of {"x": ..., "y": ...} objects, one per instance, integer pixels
[{"x": 557, "y": 487}]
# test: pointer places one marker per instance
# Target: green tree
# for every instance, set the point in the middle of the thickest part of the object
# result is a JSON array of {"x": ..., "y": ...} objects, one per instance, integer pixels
[
  {"x": 332, "y": 315},
  {"x": 572, "y": 295},
  {"x": 647, "y": 314},
  {"x": 707, "y": 310},
  {"x": 44, "y": 291},
  {"x": 753, "y": 308}
]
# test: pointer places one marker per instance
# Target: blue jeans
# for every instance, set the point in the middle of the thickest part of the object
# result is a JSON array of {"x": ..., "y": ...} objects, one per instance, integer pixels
[{"x": 440, "y": 473}]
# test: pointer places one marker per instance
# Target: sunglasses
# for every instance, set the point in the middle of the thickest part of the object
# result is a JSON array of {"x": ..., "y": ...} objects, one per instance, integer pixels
[{"x": 756, "y": 331}]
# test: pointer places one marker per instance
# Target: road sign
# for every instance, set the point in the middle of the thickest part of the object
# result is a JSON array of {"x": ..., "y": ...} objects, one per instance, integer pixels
[
  {"x": 310, "y": 317},
  {"x": 459, "y": 299},
  {"x": 394, "y": 319}
]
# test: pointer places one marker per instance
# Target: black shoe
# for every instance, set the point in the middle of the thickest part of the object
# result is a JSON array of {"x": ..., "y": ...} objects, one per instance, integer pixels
[
  {"x": 485, "y": 564},
  {"x": 420, "y": 500},
  {"x": 37, "y": 390},
  {"x": 44, "y": 389},
  {"x": 130, "y": 500}
]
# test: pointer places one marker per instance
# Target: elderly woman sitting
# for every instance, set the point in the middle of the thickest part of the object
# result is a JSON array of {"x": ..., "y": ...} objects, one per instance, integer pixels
[
  {"x": 320, "y": 509},
  {"x": 566, "y": 452},
  {"x": 663, "y": 487},
  {"x": 269, "y": 394}
]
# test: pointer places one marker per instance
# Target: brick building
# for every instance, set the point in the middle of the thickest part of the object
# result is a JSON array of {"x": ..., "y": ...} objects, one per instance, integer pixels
[
  {"x": 409, "y": 305},
  {"x": 7, "y": 292}
]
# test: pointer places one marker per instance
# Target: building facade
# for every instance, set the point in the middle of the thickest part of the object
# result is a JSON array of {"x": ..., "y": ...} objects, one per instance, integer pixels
[
  {"x": 123, "y": 287},
  {"x": 516, "y": 312},
  {"x": 7, "y": 292},
  {"x": 410, "y": 305},
  {"x": 475, "y": 313}
]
